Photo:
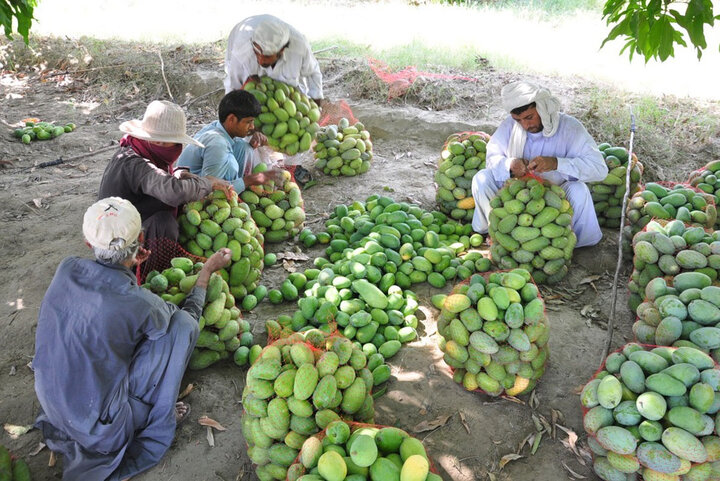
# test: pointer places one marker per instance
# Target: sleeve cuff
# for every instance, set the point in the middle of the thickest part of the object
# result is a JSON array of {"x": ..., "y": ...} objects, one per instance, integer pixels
[
  {"x": 239, "y": 185},
  {"x": 566, "y": 168}
]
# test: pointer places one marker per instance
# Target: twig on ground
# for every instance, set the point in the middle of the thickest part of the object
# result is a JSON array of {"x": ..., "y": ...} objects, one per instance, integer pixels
[
  {"x": 162, "y": 70},
  {"x": 193, "y": 100}
]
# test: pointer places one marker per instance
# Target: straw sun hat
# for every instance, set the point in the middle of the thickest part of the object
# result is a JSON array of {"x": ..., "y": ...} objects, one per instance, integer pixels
[{"x": 163, "y": 122}]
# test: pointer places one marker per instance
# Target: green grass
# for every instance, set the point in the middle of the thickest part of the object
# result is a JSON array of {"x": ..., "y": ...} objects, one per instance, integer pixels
[{"x": 547, "y": 7}]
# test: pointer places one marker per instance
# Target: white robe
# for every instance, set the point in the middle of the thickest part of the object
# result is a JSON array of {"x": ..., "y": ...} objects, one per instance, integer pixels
[
  {"x": 297, "y": 66},
  {"x": 579, "y": 161}
]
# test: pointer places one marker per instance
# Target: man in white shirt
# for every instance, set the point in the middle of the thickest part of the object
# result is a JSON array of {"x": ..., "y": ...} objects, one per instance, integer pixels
[
  {"x": 264, "y": 45},
  {"x": 538, "y": 139}
]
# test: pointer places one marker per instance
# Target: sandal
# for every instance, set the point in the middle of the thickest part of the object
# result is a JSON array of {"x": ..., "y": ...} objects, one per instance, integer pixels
[{"x": 179, "y": 418}]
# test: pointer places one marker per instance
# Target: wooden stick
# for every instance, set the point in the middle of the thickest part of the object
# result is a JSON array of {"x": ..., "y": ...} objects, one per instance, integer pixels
[
  {"x": 162, "y": 70},
  {"x": 192, "y": 101}
]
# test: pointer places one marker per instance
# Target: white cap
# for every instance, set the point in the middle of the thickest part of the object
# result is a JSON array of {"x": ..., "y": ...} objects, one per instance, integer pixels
[
  {"x": 112, "y": 224},
  {"x": 271, "y": 35}
]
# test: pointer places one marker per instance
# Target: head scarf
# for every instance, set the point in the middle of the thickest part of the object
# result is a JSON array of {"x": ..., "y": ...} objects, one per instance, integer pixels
[
  {"x": 271, "y": 35},
  {"x": 162, "y": 157},
  {"x": 519, "y": 94}
]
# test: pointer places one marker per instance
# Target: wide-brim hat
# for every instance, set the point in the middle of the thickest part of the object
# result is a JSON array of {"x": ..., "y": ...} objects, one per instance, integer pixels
[{"x": 163, "y": 122}]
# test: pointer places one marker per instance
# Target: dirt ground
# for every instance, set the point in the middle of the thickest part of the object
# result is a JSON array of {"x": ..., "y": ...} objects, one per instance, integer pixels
[{"x": 41, "y": 224}]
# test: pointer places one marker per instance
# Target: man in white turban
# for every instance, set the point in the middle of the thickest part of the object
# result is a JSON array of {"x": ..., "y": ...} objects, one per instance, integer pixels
[
  {"x": 264, "y": 45},
  {"x": 538, "y": 139}
]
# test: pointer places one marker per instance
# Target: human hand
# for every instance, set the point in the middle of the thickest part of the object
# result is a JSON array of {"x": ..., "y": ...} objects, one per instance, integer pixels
[
  {"x": 220, "y": 184},
  {"x": 253, "y": 78},
  {"x": 263, "y": 177},
  {"x": 257, "y": 139},
  {"x": 320, "y": 102},
  {"x": 543, "y": 164},
  {"x": 218, "y": 260},
  {"x": 518, "y": 167},
  {"x": 185, "y": 174},
  {"x": 142, "y": 255}
]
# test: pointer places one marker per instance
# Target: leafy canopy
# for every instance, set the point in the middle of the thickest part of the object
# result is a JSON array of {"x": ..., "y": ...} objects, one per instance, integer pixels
[
  {"x": 22, "y": 11},
  {"x": 651, "y": 28}
]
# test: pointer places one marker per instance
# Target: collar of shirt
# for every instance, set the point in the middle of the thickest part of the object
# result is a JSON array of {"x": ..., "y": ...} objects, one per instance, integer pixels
[{"x": 119, "y": 267}]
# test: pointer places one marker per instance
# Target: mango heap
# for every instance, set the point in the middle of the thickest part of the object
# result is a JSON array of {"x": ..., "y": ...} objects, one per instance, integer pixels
[
  {"x": 222, "y": 331},
  {"x": 608, "y": 194},
  {"x": 494, "y": 333},
  {"x": 530, "y": 228},
  {"x": 294, "y": 390},
  {"x": 667, "y": 250},
  {"x": 462, "y": 157},
  {"x": 343, "y": 149},
  {"x": 679, "y": 202},
  {"x": 650, "y": 411},
  {"x": 12, "y": 470},
  {"x": 686, "y": 314},
  {"x": 41, "y": 131},
  {"x": 276, "y": 209},
  {"x": 213, "y": 223},
  {"x": 288, "y": 119},
  {"x": 706, "y": 180},
  {"x": 361, "y": 453}
]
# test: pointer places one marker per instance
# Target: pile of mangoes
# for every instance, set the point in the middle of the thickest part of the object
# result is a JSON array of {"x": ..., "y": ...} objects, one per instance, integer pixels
[
  {"x": 462, "y": 157},
  {"x": 213, "y": 223},
  {"x": 222, "y": 331},
  {"x": 361, "y": 452},
  {"x": 706, "y": 180},
  {"x": 650, "y": 411},
  {"x": 343, "y": 149},
  {"x": 277, "y": 208},
  {"x": 294, "y": 390},
  {"x": 494, "y": 333},
  {"x": 667, "y": 249},
  {"x": 677, "y": 202},
  {"x": 288, "y": 119},
  {"x": 41, "y": 131},
  {"x": 608, "y": 194},
  {"x": 530, "y": 227}
]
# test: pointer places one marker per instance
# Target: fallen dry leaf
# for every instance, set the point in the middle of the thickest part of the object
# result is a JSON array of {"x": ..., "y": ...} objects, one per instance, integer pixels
[
  {"x": 571, "y": 440},
  {"x": 52, "y": 460},
  {"x": 6, "y": 163},
  {"x": 37, "y": 449},
  {"x": 528, "y": 439},
  {"x": 431, "y": 425},
  {"x": 210, "y": 437},
  {"x": 464, "y": 423},
  {"x": 536, "y": 443},
  {"x": 293, "y": 256},
  {"x": 515, "y": 400},
  {"x": 589, "y": 279},
  {"x": 13, "y": 370},
  {"x": 17, "y": 431},
  {"x": 578, "y": 389},
  {"x": 509, "y": 457},
  {"x": 82, "y": 168},
  {"x": 572, "y": 473},
  {"x": 186, "y": 391},
  {"x": 534, "y": 402},
  {"x": 206, "y": 421},
  {"x": 37, "y": 202},
  {"x": 288, "y": 265}
]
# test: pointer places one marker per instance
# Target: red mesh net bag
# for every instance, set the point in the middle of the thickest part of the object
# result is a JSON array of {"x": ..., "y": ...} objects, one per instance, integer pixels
[
  {"x": 294, "y": 390},
  {"x": 162, "y": 251},
  {"x": 626, "y": 435},
  {"x": 376, "y": 444},
  {"x": 399, "y": 82},
  {"x": 494, "y": 333},
  {"x": 332, "y": 112},
  {"x": 463, "y": 155},
  {"x": 671, "y": 200}
]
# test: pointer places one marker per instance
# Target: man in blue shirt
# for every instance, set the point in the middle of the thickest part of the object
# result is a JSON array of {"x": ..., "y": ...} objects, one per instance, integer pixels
[
  {"x": 227, "y": 155},
  {"x": 110, "y": 355}
]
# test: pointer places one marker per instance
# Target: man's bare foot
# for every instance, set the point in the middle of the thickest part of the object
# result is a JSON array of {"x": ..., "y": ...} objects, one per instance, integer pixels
[{"x": 182, "y": 410}]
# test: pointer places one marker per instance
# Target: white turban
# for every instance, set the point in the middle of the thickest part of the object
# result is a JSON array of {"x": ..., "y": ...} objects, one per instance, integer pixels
[
  {"x": 271, "y": 35},
  {"x": 519, "y": 94}
]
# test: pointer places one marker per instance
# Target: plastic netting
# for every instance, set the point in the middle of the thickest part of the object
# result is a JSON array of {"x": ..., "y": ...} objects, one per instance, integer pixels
[
  {"x": 162, "y": 251},
  {"x": 506, "y": 357},
  {"x": 626, "y": 409},
  {"x": 399, "y": 82},
  {"x": 354, "y": 426},
  {"x": 332, "y": 112}
]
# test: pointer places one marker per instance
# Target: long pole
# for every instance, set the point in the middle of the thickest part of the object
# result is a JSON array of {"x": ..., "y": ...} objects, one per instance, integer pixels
[{"x": 611, "y": 319}]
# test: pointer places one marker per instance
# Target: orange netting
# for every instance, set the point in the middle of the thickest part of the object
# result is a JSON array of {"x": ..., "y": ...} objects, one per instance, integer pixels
[
  {"x": 399, "y": 82},
  {"x": 332, "y": 112},
  {"x": 354, "y": 426},
  {"x": 162, "y": 251}
]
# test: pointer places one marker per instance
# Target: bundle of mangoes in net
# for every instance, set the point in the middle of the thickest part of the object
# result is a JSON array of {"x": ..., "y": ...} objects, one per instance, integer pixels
[
  {"x": 650, "y": 414},
  {"x": 41, "y": 131},
  {"x": 222, "y": 331},
  {"x": 463, "y": 155},
  {"x": 215, "y": 222},
  {"x": 294, "y": 390},
  {"x": 276, "y": 207},
  {"x": 706, "y": 179},
  {"x": 670, "y": 201},
  {"x": 494, "y": 333},
  {"x": 288, "y": 118},
  {"x": 666, "y": 249},
  {"x": 359, "y": 452},
  {"x": 343, "y": 149},
  {"x": 608, "y": 194},
  {"x": 530, "y": 228}
]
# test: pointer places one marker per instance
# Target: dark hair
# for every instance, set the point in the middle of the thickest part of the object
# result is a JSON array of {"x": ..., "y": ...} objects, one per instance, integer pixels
[
  {"x": 241, "y": 103},
  {"x": 519, "y": 110}
]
